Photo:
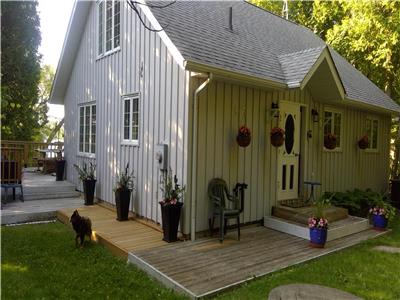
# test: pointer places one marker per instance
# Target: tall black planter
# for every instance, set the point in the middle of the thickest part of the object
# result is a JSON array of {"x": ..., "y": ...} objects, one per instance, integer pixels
[
  {"x": 395, "y": 192},
  {"x": 170, "y": 221},
  {"x": 60, "y": 166},
  {"x": 122, "y": 201},
  {"x": 88, "y": 191}
]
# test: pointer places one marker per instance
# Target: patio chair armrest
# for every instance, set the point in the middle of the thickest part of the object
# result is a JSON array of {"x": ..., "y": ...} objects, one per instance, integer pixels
[{"x": 216, "y": 200}]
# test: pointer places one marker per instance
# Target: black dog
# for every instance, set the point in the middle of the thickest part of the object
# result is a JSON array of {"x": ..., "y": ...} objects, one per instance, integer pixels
[{"x": 82, "y": 227}]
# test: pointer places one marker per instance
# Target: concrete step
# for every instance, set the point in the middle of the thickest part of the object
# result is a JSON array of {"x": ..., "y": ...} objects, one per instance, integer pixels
[
  {"x": 336, "y": 230},
  {"x": 48, "y": 189},
  {"x": 50, "y": 195}
]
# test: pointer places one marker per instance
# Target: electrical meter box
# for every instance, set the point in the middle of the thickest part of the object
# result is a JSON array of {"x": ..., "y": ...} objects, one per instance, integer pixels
[{"x": 162, "y": 156}]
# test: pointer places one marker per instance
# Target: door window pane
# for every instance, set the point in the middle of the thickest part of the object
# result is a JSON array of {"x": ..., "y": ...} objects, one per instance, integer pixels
[
  {"x": 284, "y": 177},
  {"x": 289, "y": 134}
]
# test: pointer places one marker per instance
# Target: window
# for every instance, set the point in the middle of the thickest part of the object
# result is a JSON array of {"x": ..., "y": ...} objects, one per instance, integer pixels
[
  {"x": 108, "y": 30},
  {"x": 131, "y": 118},
  {"x": 333, "y": 125},
  {"x": 87, "y": 129},
  {"x": 372, "y": 133}
]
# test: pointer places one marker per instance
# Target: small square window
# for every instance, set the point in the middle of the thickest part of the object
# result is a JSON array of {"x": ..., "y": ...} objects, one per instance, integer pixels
[
  {"x": 131, "y": 119},
  {"x": 333, "y": 125},
  {"x": 372, "y": 127}
]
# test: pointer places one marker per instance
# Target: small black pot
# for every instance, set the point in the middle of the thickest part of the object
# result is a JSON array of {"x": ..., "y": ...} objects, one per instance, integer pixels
[
  {"x": 122, "y": 201},
  {"x": 170, "y": 221},
  {"x": 395, "y": 193},
  {"x": 89, "y": 186},
  {"x": 60, "y": 166}
]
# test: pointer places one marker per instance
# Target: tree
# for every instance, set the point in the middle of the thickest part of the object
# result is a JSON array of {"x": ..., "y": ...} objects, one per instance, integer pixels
[
  {"x": 365, "y": 32},
  {"x": 22, "y": 115}
]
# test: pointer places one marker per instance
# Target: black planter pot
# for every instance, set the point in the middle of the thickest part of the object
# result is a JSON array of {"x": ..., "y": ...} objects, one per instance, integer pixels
[
  {"x": 122, "y": 201},
  {"x": 60, "y": 166},
  {"x": 88, "y": 191},
  {"x": 395, "y": 192},
  {"x": 170, "y": 221}
]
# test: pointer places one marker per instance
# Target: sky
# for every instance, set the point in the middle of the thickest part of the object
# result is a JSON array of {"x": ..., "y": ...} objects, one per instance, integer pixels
[{"x": 54, "y": 19}]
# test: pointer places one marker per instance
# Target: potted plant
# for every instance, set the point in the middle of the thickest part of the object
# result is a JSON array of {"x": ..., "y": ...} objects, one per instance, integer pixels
[
  {"x": 123, "y": 190},
  {"x": 318, "y": 224},
  {"x": 60, "y": 166},
  {"x": 381, "y": 213},
  {"x": 363, "y": 142},
  {"x": 330, "y": 141},
  {"x": 171, "y": 206},
  {"x": 277, "y": 136},
  {"x": 243, "y": 137},
  {"x": 88, "y": 178}
]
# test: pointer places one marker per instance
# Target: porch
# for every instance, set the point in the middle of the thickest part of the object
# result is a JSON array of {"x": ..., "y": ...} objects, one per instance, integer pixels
[{"x": 206, "y": 266}]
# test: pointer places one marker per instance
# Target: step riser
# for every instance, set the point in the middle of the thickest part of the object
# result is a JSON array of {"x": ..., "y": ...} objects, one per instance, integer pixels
[
  {"x": 28, "y": 197},
  {"x": 39, "y": 190},
  {"x": 304, "y": 232}
]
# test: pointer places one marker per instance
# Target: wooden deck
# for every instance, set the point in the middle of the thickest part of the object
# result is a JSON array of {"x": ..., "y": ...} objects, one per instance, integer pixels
[
  {"x": 120, "y": 237},
  {"x": 206, "y": 266}
]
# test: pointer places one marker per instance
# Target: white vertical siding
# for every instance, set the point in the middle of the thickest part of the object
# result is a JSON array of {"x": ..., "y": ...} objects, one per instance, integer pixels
[
  {"x": 224, "y": 107},
  {"x": 163, "y": 109}
]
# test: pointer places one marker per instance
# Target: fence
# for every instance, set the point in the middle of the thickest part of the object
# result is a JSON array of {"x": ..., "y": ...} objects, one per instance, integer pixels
[{"x": 29, "y": 151}]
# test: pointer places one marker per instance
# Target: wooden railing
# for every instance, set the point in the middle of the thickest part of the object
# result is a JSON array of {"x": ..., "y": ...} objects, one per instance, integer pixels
[{"x": 29, "y": 150}]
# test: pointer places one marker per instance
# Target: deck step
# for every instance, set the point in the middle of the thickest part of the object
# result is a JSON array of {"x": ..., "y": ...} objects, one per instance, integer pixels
[
  {"x": 50, "y": 195},
  {"x": 301, "y": 214},
  {"x": 337, "y": 229}
]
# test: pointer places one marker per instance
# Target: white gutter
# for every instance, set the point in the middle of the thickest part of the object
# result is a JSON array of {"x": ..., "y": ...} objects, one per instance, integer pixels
[{"x": 194, "y": 157}]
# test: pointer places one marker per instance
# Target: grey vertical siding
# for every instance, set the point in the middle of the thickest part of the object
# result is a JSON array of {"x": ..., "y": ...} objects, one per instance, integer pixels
[
  {"x": 163, "y": 109},
  {"x": 224, "y": 107}
]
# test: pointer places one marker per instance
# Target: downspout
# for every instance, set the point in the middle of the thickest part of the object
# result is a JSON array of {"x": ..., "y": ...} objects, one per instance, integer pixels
[{"x": 194, "y": 157}]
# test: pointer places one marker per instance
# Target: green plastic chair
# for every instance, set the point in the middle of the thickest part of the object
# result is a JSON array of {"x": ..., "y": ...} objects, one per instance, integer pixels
[{"x": 218, "y": 193}]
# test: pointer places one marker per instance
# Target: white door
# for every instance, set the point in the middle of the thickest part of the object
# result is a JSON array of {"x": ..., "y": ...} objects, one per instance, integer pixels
[{"x": 288, "y": 154}]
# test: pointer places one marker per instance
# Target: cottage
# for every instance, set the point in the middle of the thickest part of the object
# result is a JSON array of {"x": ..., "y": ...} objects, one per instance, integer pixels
[{"x": 209, "y": 68}]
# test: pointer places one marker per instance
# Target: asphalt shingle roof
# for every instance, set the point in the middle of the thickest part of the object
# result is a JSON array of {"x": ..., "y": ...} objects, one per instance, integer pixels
[{"x": 261, "y": 44}]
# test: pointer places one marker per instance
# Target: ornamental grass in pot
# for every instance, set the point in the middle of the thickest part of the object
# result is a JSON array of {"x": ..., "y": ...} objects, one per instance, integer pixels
[
  {"x": 88, "y": 177},
  {"x": 277, "y": 136},
  {"x": 123, "y": 190},
  {"x": 171, "y": 206},
  {"x": 243, "y": 137},
  {"x": 318, "y": 224}
]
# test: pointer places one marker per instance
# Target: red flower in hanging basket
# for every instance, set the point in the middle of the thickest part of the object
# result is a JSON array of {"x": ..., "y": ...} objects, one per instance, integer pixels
[
  {"x": 244, "y": 136},
  {"x": 363, "y": 143},
  {"x": 330, "y": 141},
  {"x": 277, "y": 136}
]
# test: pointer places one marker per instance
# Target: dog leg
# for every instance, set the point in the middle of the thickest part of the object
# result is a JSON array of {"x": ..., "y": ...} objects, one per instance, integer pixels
[
  {"x": 76, "y": 240},
  {"x": 82, "y": 236}
]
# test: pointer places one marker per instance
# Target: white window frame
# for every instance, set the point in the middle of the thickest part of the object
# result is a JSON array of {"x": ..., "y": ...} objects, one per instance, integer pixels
[
  {"x": 372, "y": 119},
  {"x": 334, "y": 111},
  {"x": 85, "y": 106},
  {"x": 104, "y": 29},
  {"x": 131, "y": 141}
]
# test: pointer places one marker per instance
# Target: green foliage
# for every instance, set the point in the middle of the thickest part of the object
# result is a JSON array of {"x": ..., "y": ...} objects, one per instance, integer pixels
[
  {"x": 172, "y": 191},
  {"x": 22, "y": 111},
  {"x": 42, "y": 262},
  {"x": 358, "y": 202},
  {"x": 86, "y": 173},
  {"x": 125, "y": 180}
]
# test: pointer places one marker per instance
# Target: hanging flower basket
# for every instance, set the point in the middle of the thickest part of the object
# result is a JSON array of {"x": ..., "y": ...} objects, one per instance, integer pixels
[
  {"x": 363, "y": 143},
  {"x": 330, "y": 141},
  {"x": 277, "y": 136},
  {"x": 244, "y": 136}
]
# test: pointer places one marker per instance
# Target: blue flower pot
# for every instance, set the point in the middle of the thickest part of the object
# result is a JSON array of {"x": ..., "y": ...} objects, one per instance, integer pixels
[
  {"x": 380, "y": 222},
  {"x": 318, "y": 237}
]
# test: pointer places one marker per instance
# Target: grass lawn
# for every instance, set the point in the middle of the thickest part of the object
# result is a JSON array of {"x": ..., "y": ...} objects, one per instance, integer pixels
[{"x": 41, "y": 261}]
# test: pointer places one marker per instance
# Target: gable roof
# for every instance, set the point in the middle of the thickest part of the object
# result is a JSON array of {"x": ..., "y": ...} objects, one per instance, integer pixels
[{"x": 261, "y": 44}]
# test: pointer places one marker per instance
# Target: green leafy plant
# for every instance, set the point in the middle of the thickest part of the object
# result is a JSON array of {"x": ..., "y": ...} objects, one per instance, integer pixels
[
  {"x": 172, "y": 191},
  {"x": 382, "y": 207},
  {"x": 85, "y": 172},
  {"x": 125, "y": 180},
  {"x": 321, "y": 204}
]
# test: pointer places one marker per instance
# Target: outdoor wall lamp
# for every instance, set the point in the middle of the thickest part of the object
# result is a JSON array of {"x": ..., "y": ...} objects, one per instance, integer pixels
[
  {"x": 315, "y": 115},
  {"x": 275, "y": 110}
]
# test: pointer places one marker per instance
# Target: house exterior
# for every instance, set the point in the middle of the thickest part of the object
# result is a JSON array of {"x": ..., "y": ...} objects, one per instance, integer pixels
[{"x": 214, "y": 67}]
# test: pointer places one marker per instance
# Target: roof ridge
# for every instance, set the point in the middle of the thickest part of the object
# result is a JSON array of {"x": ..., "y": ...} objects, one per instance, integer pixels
[{"x": 302, "y": 51}]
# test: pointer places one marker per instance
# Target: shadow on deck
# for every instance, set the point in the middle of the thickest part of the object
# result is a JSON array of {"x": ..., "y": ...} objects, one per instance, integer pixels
[{"x": 206, "y": 266}]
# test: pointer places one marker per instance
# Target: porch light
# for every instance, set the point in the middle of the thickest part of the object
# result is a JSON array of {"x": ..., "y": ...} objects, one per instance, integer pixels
[
  {"x": 274, "y": 110},
  {"x": 315, "y": 115}
]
